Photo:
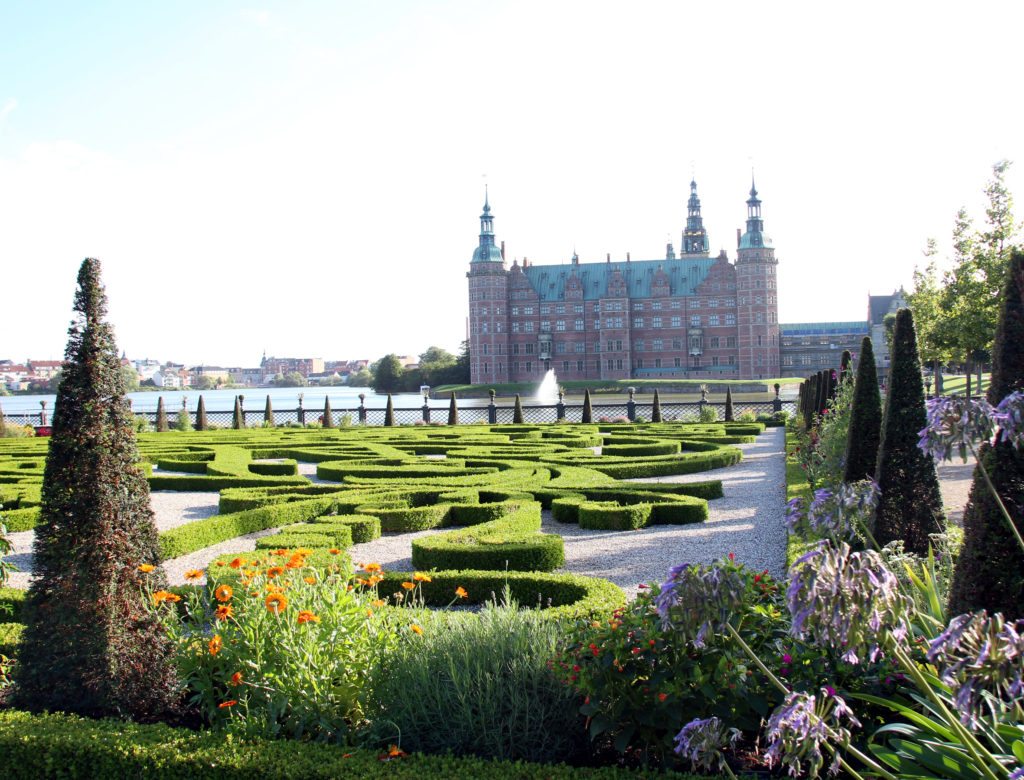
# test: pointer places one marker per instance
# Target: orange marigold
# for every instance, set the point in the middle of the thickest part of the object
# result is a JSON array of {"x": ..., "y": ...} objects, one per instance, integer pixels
[
  {"x": 378, "y": 602},
  {"x": 420, "y": 577},
  {"x": 461, "y": 592},
  {"x": 236, "y": 679},
  {"x": 408, "y": 585},
  {"x": 194, "y": 574},
  {"x": 237, "y": 563},
  {"x": 416, "y": 629},
  {"x": 276, "y": 603},
  {"x": 273, "y": 571},
  {"x": 146, "y": 568},
  {"x": 334, "y": 551},
  {"x": 372, "y": 567},
  {"x": 309, "y": 580},
  {"x": 371, "y": 581},
  {"x": 215, "y": 644},
  {"x": 224, "y": 611},
  {"x": 223, "y": 593},
  {"x": 280, "y": 551},
  {"x": 226, "y": 704},
  {"x": 165, "y": 595},
  {"x": 305, "y": 616}
]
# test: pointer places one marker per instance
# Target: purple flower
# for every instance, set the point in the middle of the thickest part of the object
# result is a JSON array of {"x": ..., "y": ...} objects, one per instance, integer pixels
[
  {"x": 846, "y": 600},
  {"x": 981, "y": 659},
  {"x": 1010, "y": 418},
  {"x": 703, "y": 743},
  {"x": 696, "y": 599},
  {"x": 836, "y": 514},
  {"x": 956, "y": 422},
  {"x": 799, "y": 728}
]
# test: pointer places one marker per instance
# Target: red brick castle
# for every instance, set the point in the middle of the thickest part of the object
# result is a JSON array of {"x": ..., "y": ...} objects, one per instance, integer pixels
[{"x": 690, "y": 316}]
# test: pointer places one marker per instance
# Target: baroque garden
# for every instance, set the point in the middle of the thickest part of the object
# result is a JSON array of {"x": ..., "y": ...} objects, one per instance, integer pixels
[{"x": 888, "y": 647}]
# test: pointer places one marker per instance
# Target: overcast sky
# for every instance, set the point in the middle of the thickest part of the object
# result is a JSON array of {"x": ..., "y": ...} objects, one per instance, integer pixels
[{"x": 306, "y": 178}]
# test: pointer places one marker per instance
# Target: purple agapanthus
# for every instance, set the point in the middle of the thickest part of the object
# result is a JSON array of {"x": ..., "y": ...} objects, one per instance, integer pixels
[
  {"x": 696, "y": 599},
  {"x": 703, "y": 742},
  {"x": 836, "y": 514},
  {"x": 846, "y": 600},
  {"x": 1009, "y": 416},
  {"x": 981, "y": 659},
  {"x": 800, "y": 726},
  {"x": 956, "y": 423}
]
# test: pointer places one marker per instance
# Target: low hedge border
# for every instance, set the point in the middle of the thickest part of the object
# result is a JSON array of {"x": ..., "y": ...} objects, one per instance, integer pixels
[
  {"x": 364, "y": 528},
  {"x": 59, "y": 745},
  {"x": 20, "y": 519}
]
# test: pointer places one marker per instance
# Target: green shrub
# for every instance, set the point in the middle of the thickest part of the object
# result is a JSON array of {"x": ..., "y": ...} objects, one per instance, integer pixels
[
  {"x": 609, "y": 516},
  {"x": 517, "y": 411},
  {"x": 363, "y": 528},
  {"x": 566, "y": 509},
  {"x": 865, "y": 427},
  {"x": 479, "y": 687},
  {"x": 161, "y": 416},
  {"x": 728, "y": 404},
  {"x": 21, "y": 519},
  {"x": 708, "y": 414},
  {"x": 588, "y": 411}
]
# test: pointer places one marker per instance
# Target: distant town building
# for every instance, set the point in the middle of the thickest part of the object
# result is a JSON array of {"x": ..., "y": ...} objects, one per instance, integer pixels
[
  {"x": 44, "y": 369},
  {"x": 686, "y": 316},
  {"x": 271, "y": 366},
  {"x": 808, "y": 347},
  {"x": 878, "y": 307},
  {"x": 247, "y": 377}
]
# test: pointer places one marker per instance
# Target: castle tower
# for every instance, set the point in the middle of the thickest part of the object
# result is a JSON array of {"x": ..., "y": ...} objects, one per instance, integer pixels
[
  {"x": 488, "y": 306},
  {"x": 757, "y": 313},
  {"x": 695, "y": 237}
]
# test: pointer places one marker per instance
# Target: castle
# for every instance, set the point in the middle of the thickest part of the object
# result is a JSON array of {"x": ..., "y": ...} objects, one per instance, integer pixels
[{"x": 690, "y": 316}]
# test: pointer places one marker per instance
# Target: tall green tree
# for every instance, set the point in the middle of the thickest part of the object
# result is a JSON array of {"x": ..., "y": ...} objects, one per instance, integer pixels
[
  {"x": 453, "y": 412},
  {"x": 588, "y": 411},
  {"x": 517, "y": 410},
  {"x": 90, "y": 644},
  {"x": 389, "y": 412},
  {"x": 910, "y": 506},
  {"x": 729, "y": 411},
  {"x": 387, "y": 374},
  {"x": 865, "y": 429},
  {"x": 328, "y": 413},
  {"x": 989, "y": 573},
  {"x": 201, "y": 423},
  {"x": 656, "y": 408}
]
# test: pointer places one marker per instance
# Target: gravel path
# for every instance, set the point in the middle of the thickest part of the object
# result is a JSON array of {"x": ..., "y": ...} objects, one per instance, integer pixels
[{"x": 955, "y": 479}]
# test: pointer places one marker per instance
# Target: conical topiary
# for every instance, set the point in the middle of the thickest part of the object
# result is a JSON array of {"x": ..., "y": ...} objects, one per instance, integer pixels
[
  {"x": 728, "y": 405},
  {"x": 453, "y": 412},
  {"x": 844, "y": 365},
  {"x": 328, "y": 414},
  {"x": 161, "y": 416},
  {"x": 201, "y": 424},
  {"x": 3, "y": 424},
  {"x": 910, "y": 506},
  {"x": 517, "y": 411},
  {"x": 656, "y": 408},
  {"x": 238, "y": 419},
  {"x": 989, "y": 573},
  {"x": 90, "y": 644},
  {"x": 268, "y": 412},
  {"x": 865, "y": 419},
  {"x": 588, "y": 412},
  {"x": 389, "y": 412}
]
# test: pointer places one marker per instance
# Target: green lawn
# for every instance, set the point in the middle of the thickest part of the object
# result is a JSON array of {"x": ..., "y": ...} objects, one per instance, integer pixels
[{"x": 955, "y": 384}]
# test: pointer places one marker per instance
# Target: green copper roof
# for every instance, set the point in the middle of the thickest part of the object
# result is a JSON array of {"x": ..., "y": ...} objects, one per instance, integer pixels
[
  {"x": 684, "y": 274},
  {"x": 755, "y": 240},
  {"x": 486, "y": 253}
]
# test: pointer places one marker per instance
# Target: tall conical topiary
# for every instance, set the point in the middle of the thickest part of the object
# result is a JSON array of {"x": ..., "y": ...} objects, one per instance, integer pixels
[
  {"x": 90, "y": 644},
  {"x": 517, "y": 411},
  {"x": 389, "y": 412},
  {"x": 161, "y": 416},
  {"x": 328, "y": 414},
  {"x": 989, "y": 573},
  {"x": 865, "y": 429},
  {"x": 588, "y": 412},
  {"x": 453, "y": 412},
  {"x": 656, "y": 408},
  {"x": 268, "y": 412},
  {"x": 238, "y": 418},
  {"x": 728, "y": 405},
  {"x": 201, "y": 423},
  {"x": 3, "y": 424},
  {"x": 910, "y": 507},
  {"x": 844, "y": 365}
]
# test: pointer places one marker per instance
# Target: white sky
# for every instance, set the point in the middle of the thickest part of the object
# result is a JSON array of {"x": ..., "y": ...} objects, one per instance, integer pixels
[{"x": 306, "y": 178}]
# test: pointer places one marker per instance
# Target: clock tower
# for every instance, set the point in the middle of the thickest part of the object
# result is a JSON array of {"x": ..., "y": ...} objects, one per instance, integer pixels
[{"x": 695, "y": 237}]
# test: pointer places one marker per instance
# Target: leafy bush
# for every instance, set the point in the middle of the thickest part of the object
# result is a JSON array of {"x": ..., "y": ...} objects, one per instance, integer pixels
[
  {"x": 479, "y": 687},
  {"x": 708, "y": 414}
]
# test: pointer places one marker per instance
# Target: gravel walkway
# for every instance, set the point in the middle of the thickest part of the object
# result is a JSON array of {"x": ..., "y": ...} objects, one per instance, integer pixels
[{"x": 955, "y": 479}]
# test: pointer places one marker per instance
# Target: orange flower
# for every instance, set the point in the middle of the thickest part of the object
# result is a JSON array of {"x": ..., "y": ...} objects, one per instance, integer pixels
[
  {"x": 146, "y": 568},
  {"x": 420, "y": 577},
  {"x": 280, "y": 552},
  {"x": 223, "y": 593},
  {"x": 276, "y": 603},
  {"x": 273, "y": 571},
  {"x": 220, "y": 563},
  {"x": 360, "y": 581},
  {"x": 303, "y": 551},
  {"x": 215, "y": 644},
  {"x": 309, "y": 580},
  {"x": 236, "y": 679},
  {"x": 378, "y": 602},
  {"x": 369, "y": 613},
  {"x": 408, "y": 585},
  {"x": 224, "y": 611},
  {"x": 305, "y": 616},
  {"x": 371, "y": 581},
  {"x": 165, "y": 595},
  {"x": 372, "y": 567},
  {"x": 416, "y": 629},
  {"x": 225, "y": 704},
  {"x": 237, "y": 563},
  {"x": 662, "y": 696},
  {"x": 461, "y": 592},
  {"x": 194, "y": 574},
  {"x": 334, "y": 551}
]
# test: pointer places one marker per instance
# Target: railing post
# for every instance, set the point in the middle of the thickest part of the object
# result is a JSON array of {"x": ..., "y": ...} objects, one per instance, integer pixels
[
  {"x": 301, "y": 413},
  {"x": 42, "y": 414},
  {"x": 560, "y": 407},
  {"x": 426, "y": 411},
  {"x": 631, "y": 406},
  {"x": 362, "y": 408},
  {"x": 492, "y": 411},
  {"x": 777, "y": 402}
]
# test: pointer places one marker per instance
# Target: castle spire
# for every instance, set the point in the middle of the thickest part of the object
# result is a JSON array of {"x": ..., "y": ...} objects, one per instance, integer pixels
[
  {"x": 486, "y": 251},
  {"x": 695, "y": 237},
  {"x": 754, "y": 237}
]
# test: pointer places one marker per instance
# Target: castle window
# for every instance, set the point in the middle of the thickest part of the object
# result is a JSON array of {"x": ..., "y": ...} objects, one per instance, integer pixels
[
  {"x": 713, "y": 320},
  {"x": 714, "y": 342},
  {"x": 657, "y": 362},
  {"x": 560, "y": 309},
  {"x": 597, "y": 324},
  {"x": 657, "y": 345},
  {"x": 560, "y": 347},
  {"x": 565, "y": 366},
  {"x": 487, "y": 368},
  {"x": 656, "y": 322},
  {"x": 578, "y": 324},
  {"x": 560, "y": 325},
  {"x": 638, "y": 345},
  {"x": 656, "y": 306},
  {"x": 675, "y": 362},
  {"x": 730, "y": 302},
  {"x": 497, "y": 327},
  {"x": 618, "y": 345},
  {"x": 677, "y": 304},
  {"x": 638, "y": 322},
  {"x": 611, "y": 365},
  {"x": 759, "y": 341},
  {"x": 639, "y": 363},
  {"x": 713, "y": 303},
  {"x": 730, "y": 319},
  {"x": 677, "y": 343},
  {"x": 677, "y": 322},
  {"x": 579, "y": 346},
  {"x": 730, "y": 341},
  {"x": 759, "y": 317},
  {"x": 638, "y": 306},
  {"x": 611, "y": 346},
  {"x": 515, "y": 311},
  {"x": 515, "y": 349},
  {"x": 714, "y": 360},
  {"x": 515, "y": 327},
  {"x": 577, "y": 308},
  {"x": 618, "y": 364},
  {"x": 758, "y": 300},
  {"x": 529, "y": 349},
  {"x": 529, "y": 327},
  {"x": 529, "y": 367},
  {"x": 544, "y": 310},
  {"x": 485, "y": 349},
  {"x": 579, "y": 365},
  {"x": 483, "y": 326},
  {"x": 527, "y": 310},
  {"x": 695, "y": 321}
]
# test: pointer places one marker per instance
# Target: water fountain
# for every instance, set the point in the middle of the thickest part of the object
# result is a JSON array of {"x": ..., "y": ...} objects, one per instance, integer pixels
[{"x": 547, "y": 393}]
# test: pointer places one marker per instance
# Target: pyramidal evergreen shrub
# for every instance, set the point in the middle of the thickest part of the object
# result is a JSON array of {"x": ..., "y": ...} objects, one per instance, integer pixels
[
  {"x": 656, "y": 408},
  {"x": 3, "y": 424},
  {"x": 728, "y": 405},
  {"x": 161, "y": 416},
  {"x": 90, "y": 644},
  {"x": 844, "y": 365},
  {"x": 990, "y": 571},
  {"x": 268, "y": 412},
  {"x": 238, "y": 419},
  {"x": 453, "y": 411},
  {"x": 910, "y": 507},
  {"x": 517, "y": 411},
  {"x": 201, "y": 423},
  {"x": 588, "y": 412},
  {"x": 865, "y": 419},
  {"x": 389, "y": 412},
  {"x": 328, "y": 414}
]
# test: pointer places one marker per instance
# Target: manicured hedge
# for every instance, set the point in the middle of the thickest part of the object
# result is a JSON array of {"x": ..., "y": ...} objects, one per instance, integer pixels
[
  {"x": 21, "y": 519},
  {"x": 364, "y": 528},
  {"x": 610, "y": 516},
  {"x": 66, "y": 746},
  {"x": 10, "y": 636}
]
